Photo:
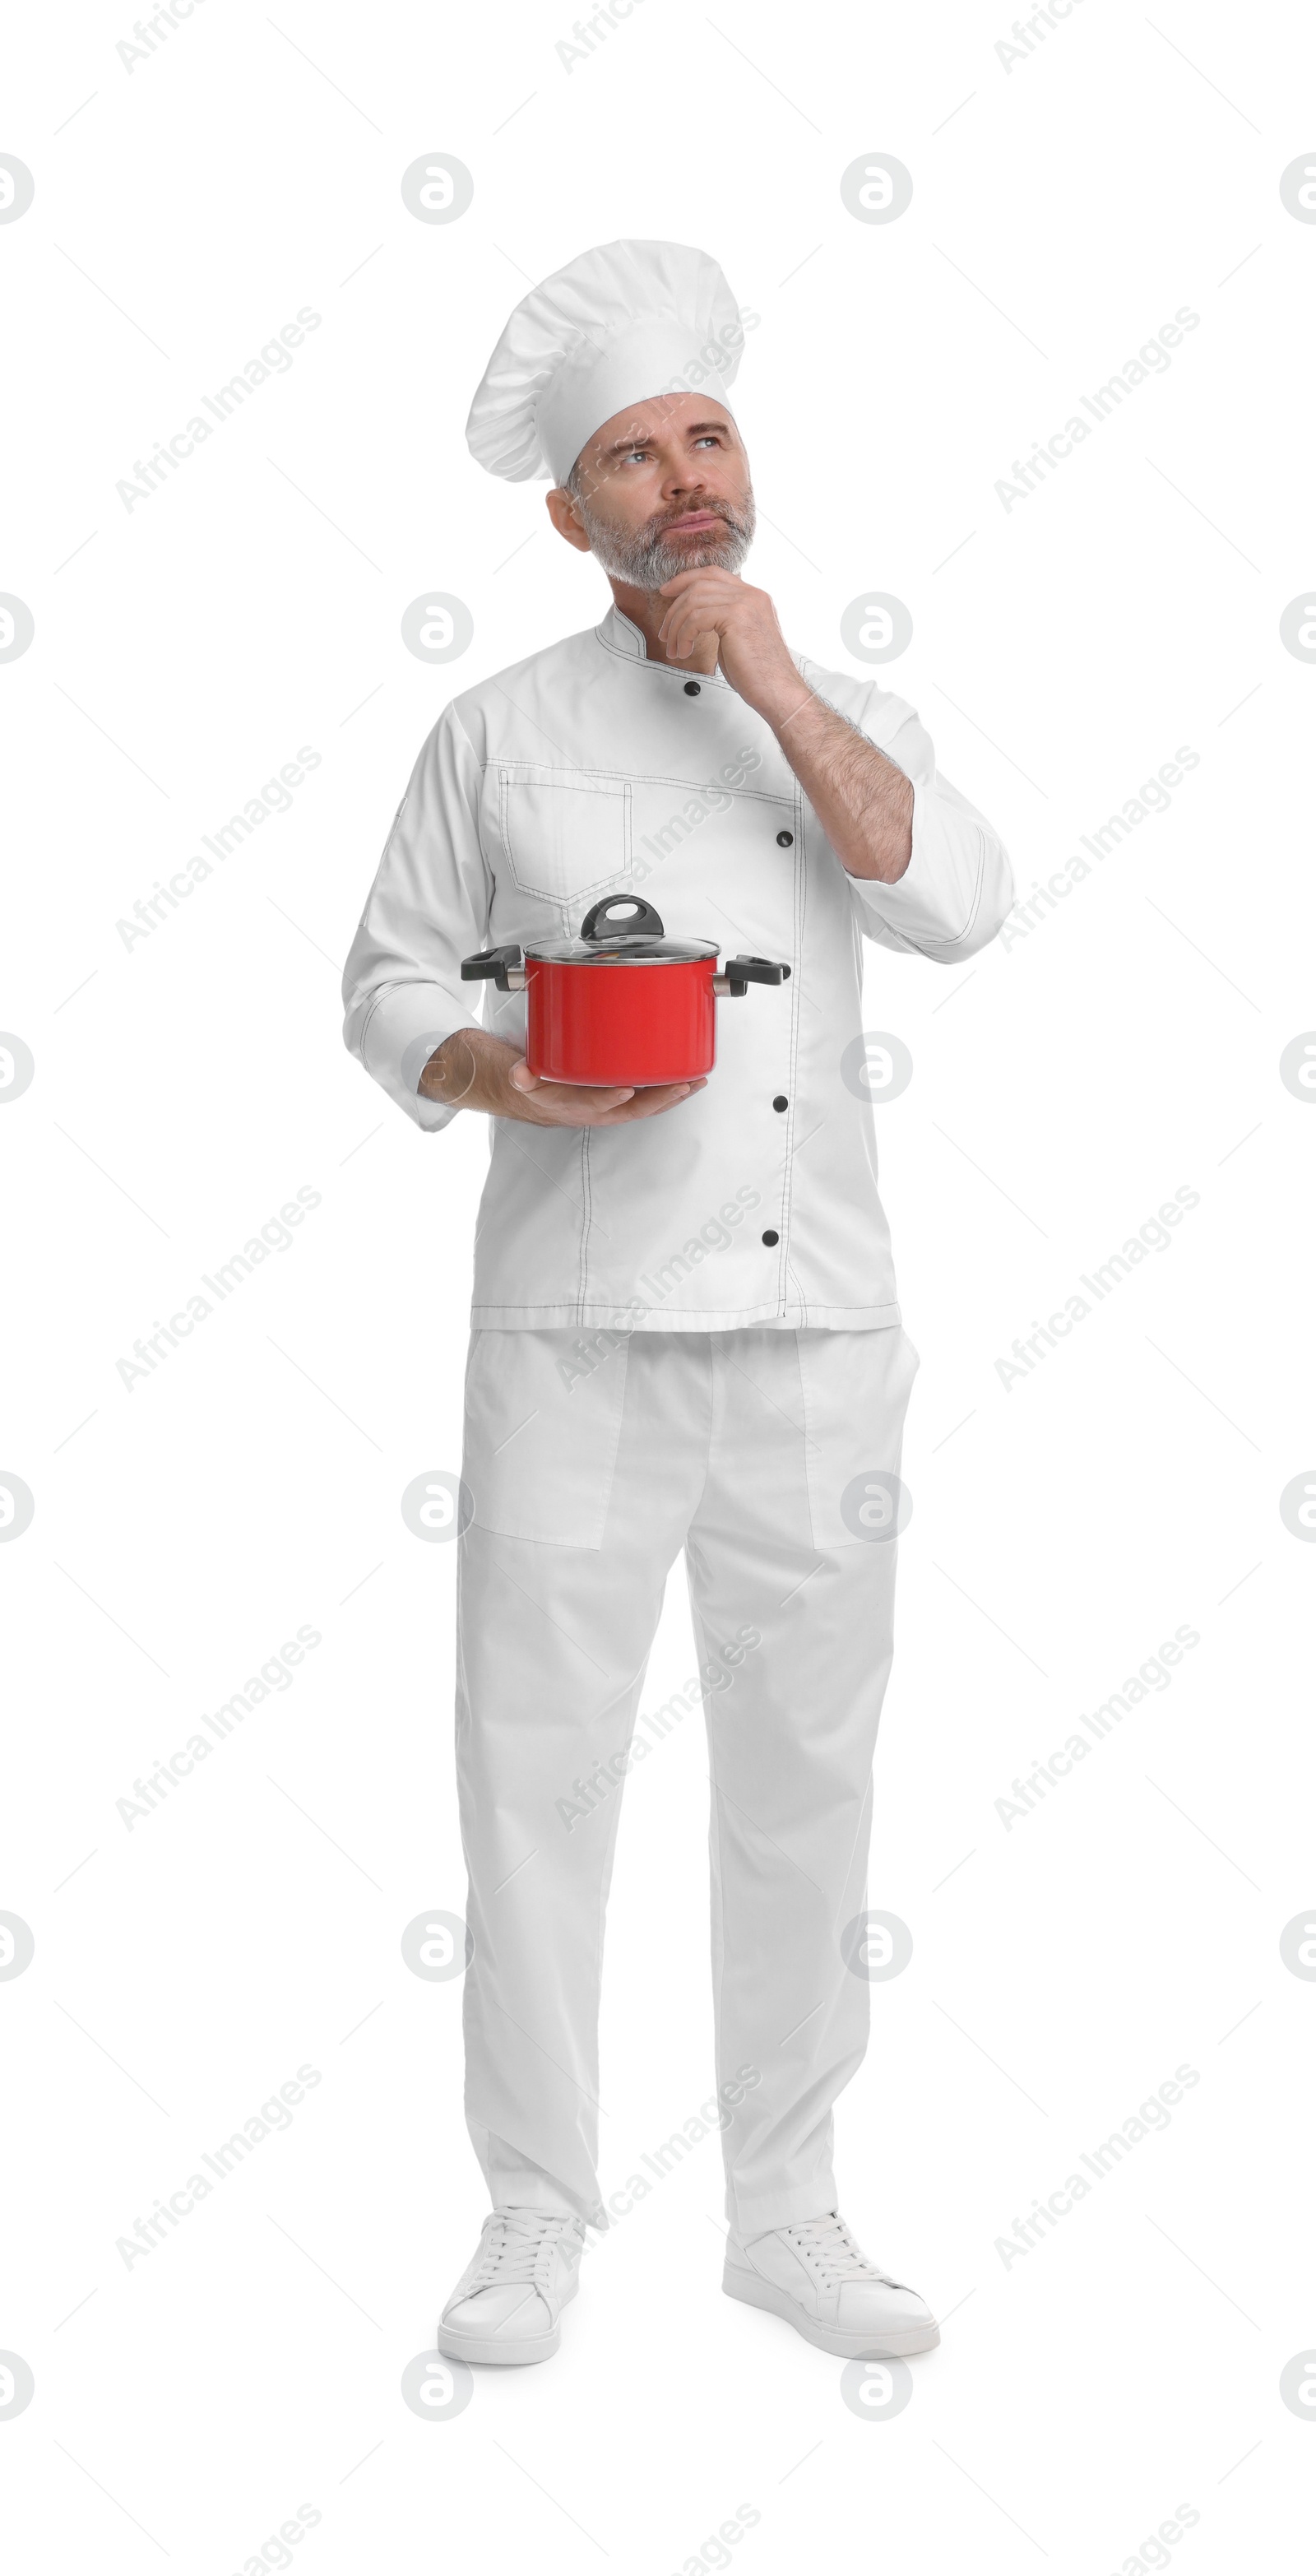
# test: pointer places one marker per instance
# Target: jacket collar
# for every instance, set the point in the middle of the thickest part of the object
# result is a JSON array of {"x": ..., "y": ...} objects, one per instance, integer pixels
[{"x": 619, "y": 634}]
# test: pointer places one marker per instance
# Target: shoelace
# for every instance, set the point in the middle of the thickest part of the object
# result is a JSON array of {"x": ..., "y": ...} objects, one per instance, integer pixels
[
  {"x": 513, "y": 2244},
  {"x": 829, "y": 2248}
]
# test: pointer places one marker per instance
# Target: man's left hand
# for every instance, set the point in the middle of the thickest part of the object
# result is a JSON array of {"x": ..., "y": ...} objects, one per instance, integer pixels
[{"x": 751, "y": 649}]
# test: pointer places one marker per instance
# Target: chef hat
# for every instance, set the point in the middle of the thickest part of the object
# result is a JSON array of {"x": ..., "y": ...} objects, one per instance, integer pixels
[{"x": 620, "y": 324}]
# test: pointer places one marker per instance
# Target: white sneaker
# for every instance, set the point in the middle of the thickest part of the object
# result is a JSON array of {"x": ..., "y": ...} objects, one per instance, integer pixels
[
  {"x": 508, "y": 2303},
  {"x": 814, "y": 2275}
]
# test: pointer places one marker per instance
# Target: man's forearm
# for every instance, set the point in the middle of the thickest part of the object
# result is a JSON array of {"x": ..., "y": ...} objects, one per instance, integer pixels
[{"x": 864, "y": 803}]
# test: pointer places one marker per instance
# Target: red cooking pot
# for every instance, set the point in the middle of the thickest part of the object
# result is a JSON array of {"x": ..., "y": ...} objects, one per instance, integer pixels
[{"x": 620, "y": 1004}]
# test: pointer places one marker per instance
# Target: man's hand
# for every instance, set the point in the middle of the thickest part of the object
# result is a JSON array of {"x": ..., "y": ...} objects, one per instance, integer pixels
[
  {"x": 473, "y": 1069},
  {"x": 751, "y": 648}
]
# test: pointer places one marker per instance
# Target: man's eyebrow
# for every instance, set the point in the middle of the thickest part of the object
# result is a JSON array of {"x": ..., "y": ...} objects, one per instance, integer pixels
[{"x": 646, "y": 437}]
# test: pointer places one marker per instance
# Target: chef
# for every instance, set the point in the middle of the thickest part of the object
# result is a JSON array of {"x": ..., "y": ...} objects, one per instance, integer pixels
[{"x": 686, "y": 1332}]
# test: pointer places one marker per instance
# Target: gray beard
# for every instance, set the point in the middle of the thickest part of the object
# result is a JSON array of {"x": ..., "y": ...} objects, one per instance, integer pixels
[{"x": 646, "y": 559}]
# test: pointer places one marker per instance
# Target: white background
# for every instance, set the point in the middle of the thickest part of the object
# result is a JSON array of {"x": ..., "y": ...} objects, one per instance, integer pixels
[{"x": 1065, "y": 206}]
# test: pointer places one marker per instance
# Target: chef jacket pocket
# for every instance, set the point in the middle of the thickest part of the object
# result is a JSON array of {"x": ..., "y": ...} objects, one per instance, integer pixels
[
  {"x": 856, "y": 1389},
  {"x": 566, "y": 833},
  {"x": 543, "y": 1421}
]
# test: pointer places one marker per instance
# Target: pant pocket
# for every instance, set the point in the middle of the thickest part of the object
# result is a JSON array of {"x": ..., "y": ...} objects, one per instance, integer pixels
[
  {"x": 543, "y": 1421},
  {"x": 856, "y": 1389}
]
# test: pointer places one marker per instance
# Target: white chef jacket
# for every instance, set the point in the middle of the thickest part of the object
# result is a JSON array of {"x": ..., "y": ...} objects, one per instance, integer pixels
[{"x": 587, "y": 770}]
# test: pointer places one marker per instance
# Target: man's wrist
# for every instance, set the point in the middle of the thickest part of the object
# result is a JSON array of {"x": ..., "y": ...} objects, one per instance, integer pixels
[
  {"x": 783, "y": 699},
  {"x": 449, "y": 1075}
]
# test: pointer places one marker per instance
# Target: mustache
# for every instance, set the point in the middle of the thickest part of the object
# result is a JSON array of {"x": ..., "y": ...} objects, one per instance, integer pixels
[
  {"x": 649, "y": 555},
  {"x": 656, "y": 528}
]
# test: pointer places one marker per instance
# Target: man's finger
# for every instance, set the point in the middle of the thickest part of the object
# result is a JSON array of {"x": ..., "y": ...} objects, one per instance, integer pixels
[
  {"x": 648, "y": 1103},
  {"x": 583, "y": 1096},
  {"x": 699, "y": 572},
  {"x": 693, "y": 604},
  {"x": 676, "y": 622},
  {"x": 644, "y": 1105},
  {"x": 586, "y": 1095}
]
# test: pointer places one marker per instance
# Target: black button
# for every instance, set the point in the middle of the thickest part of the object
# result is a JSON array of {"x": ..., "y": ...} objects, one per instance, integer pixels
[
  {"x": 772, "y": 1236},
  {"x": 692, "y": 688},
  {"x": 781, "y": 1101},
  {"x": 784, "y": 840}
]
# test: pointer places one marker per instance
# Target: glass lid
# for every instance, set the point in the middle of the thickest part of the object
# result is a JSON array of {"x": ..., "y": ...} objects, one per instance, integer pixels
[
  {"x": 620, "y": 949},
  {"x": 622, "y": 930}
]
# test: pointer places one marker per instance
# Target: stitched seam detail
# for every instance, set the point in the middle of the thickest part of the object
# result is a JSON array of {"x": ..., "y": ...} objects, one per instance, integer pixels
[
  {"x": 708, "y": 1454},
  {"x": 548, "y": 773},
  {"x": 746, "y": 1318},
  {"x": 788, "y": 1278},
  {"x": 400, "y": 984},
  {"x": 586, "y": 1210},
  {"x": 809, "y": 1442},
  {"x": 935, "y": 947},
  {"x": 667, "y": 670},
  {"x": 619, "y": 780},
  {"x": 564, "y": 783}
]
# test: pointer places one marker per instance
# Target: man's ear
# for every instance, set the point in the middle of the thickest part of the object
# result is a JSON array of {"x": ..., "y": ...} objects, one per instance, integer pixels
[{"x": 566, "y": 518}]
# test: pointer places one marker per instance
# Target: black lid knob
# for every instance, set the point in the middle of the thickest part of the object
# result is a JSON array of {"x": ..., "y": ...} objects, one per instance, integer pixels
[{"x": 622, "y": 915}]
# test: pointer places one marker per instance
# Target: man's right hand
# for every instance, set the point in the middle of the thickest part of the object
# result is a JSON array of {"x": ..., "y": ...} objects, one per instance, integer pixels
[{"x": 475, "y": 1070}]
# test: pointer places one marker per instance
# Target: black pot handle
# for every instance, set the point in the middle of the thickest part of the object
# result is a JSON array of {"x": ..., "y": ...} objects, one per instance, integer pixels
[
  {"x": 491, "y": 961},
  {"x": 642, "y": 921},
  {"x": 741, "y": 972}
]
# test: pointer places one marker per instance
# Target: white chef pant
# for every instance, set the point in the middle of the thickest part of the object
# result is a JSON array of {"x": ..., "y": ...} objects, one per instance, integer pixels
[{"x": 771, "y": 1456}]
